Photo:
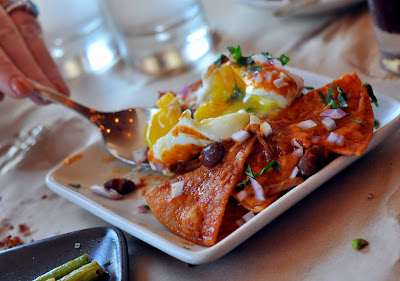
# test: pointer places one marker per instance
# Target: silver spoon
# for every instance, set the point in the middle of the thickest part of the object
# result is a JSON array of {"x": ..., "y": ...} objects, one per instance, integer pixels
[{"x": 123, "y": 131}]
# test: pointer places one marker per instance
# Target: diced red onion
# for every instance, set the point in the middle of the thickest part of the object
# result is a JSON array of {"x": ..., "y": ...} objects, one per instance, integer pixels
[
  {"x": 265, "y": 128},
  {"x": 329, "y": 123},
  {"x": 248, "y": 216},
  {"x": 335, "y": 138},
  {"x": 257, "y": 77},
  {"x": 241, "y": 195},
  {"x": 107, "y": 193},
  {"x": 307, "y": 124},
  {"x": 159, "y": 167},
  {"x": 240, "y": 136},
  {"x": 267, "y": 76},
  {"x": 283, "y": 75},
  {"x": 260, "y": 58},
  {"x": 177, "y": 188},
  {"x": 315, "y": 138},
  {"x": 295, "y": 143},
  {"x": 294, "y": 173},
  {"x": 333, "y": 113},
  {"x": 277, "y": 63},
  {"x": 280, "y": 82},
  {"x": 184, "y": 92},
  {"x": 258, "y": 190},
  {"x": 142, "y": 208},
  {"x": 254, "y": 119},
  {"x": 298, "y": 152},
  {"x": 139, "y": 156}
]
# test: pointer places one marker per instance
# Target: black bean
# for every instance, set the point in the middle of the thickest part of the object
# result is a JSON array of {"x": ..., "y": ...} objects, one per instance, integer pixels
[
  {"x": 311, "y": 162},
  {"x": 212, "y": 154},
  {"x": 122, "y": 186}
]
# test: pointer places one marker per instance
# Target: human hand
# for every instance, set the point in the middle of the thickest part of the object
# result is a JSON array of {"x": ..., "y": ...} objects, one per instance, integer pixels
[{"x": 23, "y": 54}]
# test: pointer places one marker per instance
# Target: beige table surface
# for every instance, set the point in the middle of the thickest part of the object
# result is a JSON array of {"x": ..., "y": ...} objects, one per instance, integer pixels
[{"x": 311, "y": 241}]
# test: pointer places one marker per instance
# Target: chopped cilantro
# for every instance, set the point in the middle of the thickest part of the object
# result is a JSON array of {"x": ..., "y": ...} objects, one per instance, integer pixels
[
  {"x": 342, "y": 97},
  {"x": 248, "y": 109},
  {"x": 377, "y": 124},
  {"x": 255, "y": 68},
  {"x": 329, "y": 96},
  {"x": 284, "y": 59},
  {"x": 77, "y": 185},
  {"x": 250, "y": 174},
  {"x": 237, "y": 93},
  {"x": 371, "y": 94},
  {"x": 270, "y": 164},
  {"x": 333, "y": 104},
  {"x": 359, "y": 243},
  {"x": 239, "y": 58},
  {"x": 308, "y": 88},
  {"x": 235, "y": 52},
  {"x": 357, "y": 121},
  {"x": 248, "y": 171},
  {"x": 220, "y": 60},
  {"x": 321, "y": 94},
  {"x": 267, "y": 55},
  {"x": 146, "y": 207},
  {"x": 276, "y": 166},
  {"x": 242, "y": 185}
]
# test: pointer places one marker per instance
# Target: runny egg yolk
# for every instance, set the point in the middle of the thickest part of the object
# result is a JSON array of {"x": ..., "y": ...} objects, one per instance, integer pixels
[
  {"x": 227, "y": 89},
  {"x": 164, "y": 120}
]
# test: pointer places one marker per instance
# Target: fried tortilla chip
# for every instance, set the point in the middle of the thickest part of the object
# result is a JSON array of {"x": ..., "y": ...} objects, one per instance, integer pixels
[
  {"x": 354, "y": 130},
  {"x": 197, "y": 213}
]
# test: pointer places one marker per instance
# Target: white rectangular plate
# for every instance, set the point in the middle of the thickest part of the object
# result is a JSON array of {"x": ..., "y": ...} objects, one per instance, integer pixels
[{"x": 97, "y": 166}]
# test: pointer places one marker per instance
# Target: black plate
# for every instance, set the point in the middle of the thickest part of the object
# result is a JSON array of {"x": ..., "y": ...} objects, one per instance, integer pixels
[{"x": 106, "y": 245}]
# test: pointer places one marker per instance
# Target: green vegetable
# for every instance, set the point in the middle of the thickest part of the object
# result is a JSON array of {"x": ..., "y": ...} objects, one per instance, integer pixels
[
  {"x": 284, "y": 59},
  {"x": 237, "y": 93},
  {"x": 377, "y": 124},
  {"x": 255, "y": 68},
  {"x": 239, "y": 58},
  {"x": 88, "y": 272},
  {"x": 75, "y": 185},
  {"x": 248, "y": 171},
  {"x": 329, "y": 96},
  {"x": 64, "y": 269},
  {"x": 359, "y": 243},
  {"x": 342, "y": 97},
  {"x": 371, "y": 94},
  {"x": 357, "y": 121},
  {"x": 220, "y": 60},
  {"x": 308, "y": 88},
  {"x": 146, "y": 207},
  {"x": 269, "y": 165}
]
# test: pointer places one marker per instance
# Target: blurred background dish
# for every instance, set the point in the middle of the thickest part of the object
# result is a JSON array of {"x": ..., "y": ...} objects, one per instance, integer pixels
[
  {"x": 321, "y": 6},
  {"x": 106, "y": 245}
]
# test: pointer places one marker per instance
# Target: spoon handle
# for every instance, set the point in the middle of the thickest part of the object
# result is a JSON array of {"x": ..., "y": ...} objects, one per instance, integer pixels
[{"x": 55, "y": 96}]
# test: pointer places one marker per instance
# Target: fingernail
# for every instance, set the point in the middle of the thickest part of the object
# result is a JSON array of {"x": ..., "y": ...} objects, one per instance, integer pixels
[{"x": 20, "y": 86}]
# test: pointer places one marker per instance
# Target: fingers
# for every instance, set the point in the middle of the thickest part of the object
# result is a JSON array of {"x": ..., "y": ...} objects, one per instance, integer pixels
[
  {"x": 31, "y": 32},
  {"x": 12, "y": 80}
]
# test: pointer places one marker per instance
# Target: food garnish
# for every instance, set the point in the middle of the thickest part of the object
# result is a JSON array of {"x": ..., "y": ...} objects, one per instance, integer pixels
[
  {"x": 80, "y": 268},
  {"x": 359, "y": 243},
  {"x": 247, "y": 115}
]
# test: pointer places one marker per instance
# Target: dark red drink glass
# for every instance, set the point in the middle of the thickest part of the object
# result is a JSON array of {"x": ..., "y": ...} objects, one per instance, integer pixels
[{"x": 386, "y": 18}]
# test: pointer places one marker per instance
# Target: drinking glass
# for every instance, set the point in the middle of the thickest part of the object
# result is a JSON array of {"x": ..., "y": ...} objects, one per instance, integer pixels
[
  {"x": 386, "y": 18},
  {"x": 78, "y": 36},
  {"x": 161, "y": 37}
]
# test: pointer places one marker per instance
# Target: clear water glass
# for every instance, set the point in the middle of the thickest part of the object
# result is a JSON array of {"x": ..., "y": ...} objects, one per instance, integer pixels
[
  {"x": 78, "y": 36},
  {"x": 161, "y": 37}
]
